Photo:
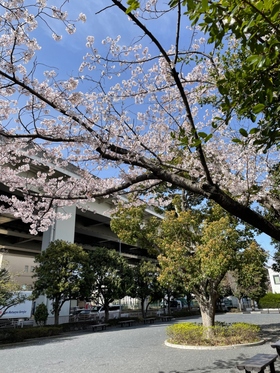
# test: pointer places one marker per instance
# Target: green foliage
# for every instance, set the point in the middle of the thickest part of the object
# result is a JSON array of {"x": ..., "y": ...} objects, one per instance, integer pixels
[
  {"x": 270, "y": 300},
  {"x": 9, "y": 291},
  {"x": 145, "y": 285},
  {"x": 196, "y": 247},
  {"x": 134, "y": 226},
  {"x": 221, "y": 334},
  {"x": 6, "y": 290},
  {"x": 133, "y": 5},
  {"x": 251, "y": 274},
  {"x": 21, "y": 334},
  {"x": 39, "y": 332},
  {"x": 184, "y": 312},
  {"x": 107, "y": 277},
  {"x": 249, "y": 85},
  {"x": 249, "y": 278},
  {"x": 198, "y": 253},
  {"x": 41, "y": 314},
  {"x": 184, "y": 333},
  {"x": 59, "y": 274}
]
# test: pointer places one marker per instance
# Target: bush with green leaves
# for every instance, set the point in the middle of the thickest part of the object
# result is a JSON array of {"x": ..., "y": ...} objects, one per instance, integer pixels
[
  {"x": 12, "y": 335},
  {"x": 221, "y": 334},
  {"x": 41, "y": 314},
  {"x": 270, "y": 300}
]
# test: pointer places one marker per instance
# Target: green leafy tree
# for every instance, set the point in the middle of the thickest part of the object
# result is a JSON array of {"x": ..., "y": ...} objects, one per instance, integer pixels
[
  {"x": 134, "y": 226},
  {"x": 145, "y": 284},
  {"x": 108, "y": 277},
  {"x": 173, "y": 287},
  {"x": 41, "y": 314},
  {"x": 9, "y": 292},
  {"x": 251, "y": 274},
  {"x": 59, "y": 274},
  {"x": 197, "y": 247},
  {"x": 199, "y": 253}
]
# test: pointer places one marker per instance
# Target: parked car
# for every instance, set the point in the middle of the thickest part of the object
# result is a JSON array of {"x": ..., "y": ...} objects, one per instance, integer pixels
[
  {"x": 228, "y": 303},
  {"x": 95, "y": 308},
  {"x": 84, "y": 315},
  {"x": 74, "y": 314},
  {"x": 87, "y": 315},
  {"x": 114, "y": 312}
]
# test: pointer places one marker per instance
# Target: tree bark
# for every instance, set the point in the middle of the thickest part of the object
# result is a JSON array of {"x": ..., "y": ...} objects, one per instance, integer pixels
[
  {"x": 207, "y": 307},
  {"x": 56, "y": 310},
  {"x": 143, "y": 308},
  {"x": 106, "y": 312}
]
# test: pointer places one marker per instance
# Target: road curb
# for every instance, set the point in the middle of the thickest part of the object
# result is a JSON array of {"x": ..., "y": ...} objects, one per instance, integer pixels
[{"x": 188, "y": 347}]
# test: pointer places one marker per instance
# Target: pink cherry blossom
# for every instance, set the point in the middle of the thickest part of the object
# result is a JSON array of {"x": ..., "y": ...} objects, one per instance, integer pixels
[{"x": 132, "y": 110}]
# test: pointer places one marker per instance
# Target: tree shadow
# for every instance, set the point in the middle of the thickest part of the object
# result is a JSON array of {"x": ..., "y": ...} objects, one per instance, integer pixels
[
  {"x": 270, "y": 332},
  {"x": 228, "y": 366}
]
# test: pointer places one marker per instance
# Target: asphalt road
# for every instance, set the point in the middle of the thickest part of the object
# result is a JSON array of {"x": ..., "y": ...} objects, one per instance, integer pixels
[{"x": 130, "y": 350}]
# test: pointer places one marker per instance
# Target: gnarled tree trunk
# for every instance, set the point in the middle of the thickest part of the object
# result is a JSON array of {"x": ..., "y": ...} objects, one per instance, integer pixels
[{"x": 207, "y": 305}]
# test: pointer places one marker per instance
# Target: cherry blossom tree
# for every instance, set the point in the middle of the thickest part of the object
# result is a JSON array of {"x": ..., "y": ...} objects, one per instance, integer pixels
[{"x": 136, "y": 109}]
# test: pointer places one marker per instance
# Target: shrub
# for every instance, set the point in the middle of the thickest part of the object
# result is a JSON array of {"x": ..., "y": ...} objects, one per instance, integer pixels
[
  {"x": 10, "y": 336},
  {"x": 184, "y": 333},
  {"x": 243, "y": 333},
  {"x": 19, "y": 335},
  {"x": 41, "y": 314},
  {"x": 221, "y": 334},
  {"x": 39, "y": 332},
  {"x": 185, "y": 313},
  {"x": 270, "y": 300}
]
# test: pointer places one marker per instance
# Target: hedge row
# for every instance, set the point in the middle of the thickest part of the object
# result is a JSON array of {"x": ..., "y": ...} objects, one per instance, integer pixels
[
  {"x": 12, "y": 335},
  {"x": 270, "y": 300}
]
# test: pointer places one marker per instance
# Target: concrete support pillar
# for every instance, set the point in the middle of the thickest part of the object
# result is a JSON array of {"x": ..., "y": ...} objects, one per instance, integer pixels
[{"x": 62, "y": 229}]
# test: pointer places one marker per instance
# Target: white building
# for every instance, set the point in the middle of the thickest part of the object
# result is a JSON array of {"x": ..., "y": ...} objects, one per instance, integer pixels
[{"x": 274, "y": 278}]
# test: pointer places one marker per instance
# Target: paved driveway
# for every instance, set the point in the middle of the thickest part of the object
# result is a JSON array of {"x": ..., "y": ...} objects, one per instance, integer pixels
[{"x": 129, "y": 350}]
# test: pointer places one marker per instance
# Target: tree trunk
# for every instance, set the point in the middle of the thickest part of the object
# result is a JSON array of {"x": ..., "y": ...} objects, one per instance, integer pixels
[
  {"x": 143, "y": 308},
  {"x": 106, "y": 312},
  {"x": 241, "y": 304},
  {"x": 57, "y": 305},
  {"x": 168, "y": 304},
  {"x": 207, "y": 314},
  {"x": 147, "y": 307},
  {"x": 207, "y": 307},
  {"x": 56, "y": 316}
]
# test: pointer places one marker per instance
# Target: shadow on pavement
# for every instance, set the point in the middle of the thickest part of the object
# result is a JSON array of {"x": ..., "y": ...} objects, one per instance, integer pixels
[
  {"x": 270, "y": 332},
  {"x": 228, "y": 366}
]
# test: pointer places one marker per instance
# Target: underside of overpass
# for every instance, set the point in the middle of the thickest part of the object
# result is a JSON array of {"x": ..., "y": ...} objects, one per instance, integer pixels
[{"x": 91, "y": 230}]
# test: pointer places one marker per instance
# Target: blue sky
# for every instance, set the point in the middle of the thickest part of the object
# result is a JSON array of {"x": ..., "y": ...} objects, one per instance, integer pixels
[
  {"x": 264, "y": 240},
  {"x": 110, "y": 22}
]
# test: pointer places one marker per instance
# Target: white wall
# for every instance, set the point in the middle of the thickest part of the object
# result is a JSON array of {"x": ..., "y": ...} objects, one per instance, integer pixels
[
  {"x": 20, "y": 267},
  {"x": 274, "y": 278},
  {"x": 64, "y": 313}
]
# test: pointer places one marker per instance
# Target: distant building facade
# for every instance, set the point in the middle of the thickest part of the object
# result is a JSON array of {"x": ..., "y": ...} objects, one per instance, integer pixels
[{"x": 274, "y": 278}]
